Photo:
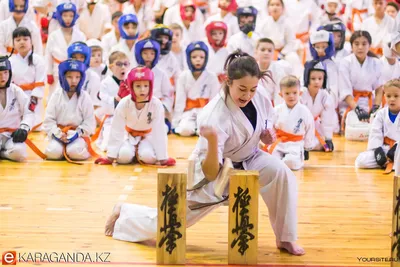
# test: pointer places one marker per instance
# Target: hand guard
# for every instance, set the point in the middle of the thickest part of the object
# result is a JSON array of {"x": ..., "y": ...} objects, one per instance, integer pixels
[
  {"x": 380, "y": 156},
  {"x": 361, "y": 114},
  {"x": 391, "y": 152},
  {"x": 123, "y": 90},
  {"x": 33, "y": 103},
  {"x": 306, "y": 155},
  {"x": 20, "y": 135},
  {"x": 103, "y": 161},
  {"x": 168, "y": 162},
  {"x": 50, "y": 79},
  {"x": 329, "y": 144},
  {"x": 374, "y": 109},
  {"x": 72, "y": 137}
]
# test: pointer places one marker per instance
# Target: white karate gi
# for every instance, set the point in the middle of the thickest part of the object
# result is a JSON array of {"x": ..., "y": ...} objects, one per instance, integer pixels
[
  {"x": 216, "y": 60},
  {"x": 23, "y": 74},
  {"x": 14, "y": 114},
  {"x": 94, "y": 25},
  {"x": 130, "y": 53},
  {"x": 196, "y": 30},
  {"x": 298, "y": 121},
  {"x": 170, "y": 65},
  {"x": 389, "y": 72},
  {"x": 6, "y": 30},
  {"x": 162, "y": 88},
  {"x": 108, "y": 41},
  {"x": 241, "y": 41},
  {"x": 381, "y": 34},
  {"x": 358, "y": 5},
  {"x": 145, "y": 16},
  {"x": 230, "y": 20},
  {"x": 323, "y": 109},
  {"x": 92, "y": 85},
  {"x": 381, "y": 127},
  {"x": 272, "y": 88},
  {"x": 238, "y": 141},
  {"x": 181, "y": 58},
  {"x": 108, "y": 91},
  {"x": 75, "y": 111},
  {"x": 103, "y": 71},
  {"x": 56, "y": 51},
  {"x": 203, "y": 89},
  {"x": 5, "y": 11},
  {"x": 152, "y": 147}
]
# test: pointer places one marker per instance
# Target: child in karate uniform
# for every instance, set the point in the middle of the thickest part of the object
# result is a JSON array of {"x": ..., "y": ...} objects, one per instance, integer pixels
[
  {"x": 95, "y": 19},
  {"x": 385, "y": 132},
  {"x": 29, "y": 72},
  {"x": 96, "y": 60},
  {"x": 294, "y": 125},
  {"x": 142, "y": 116},
  {"x": 317, "y": 99},
  {"x": 227, "y": 9},
  {"x": 111, "y": 38},
  {"x": 177, "y": 48},
  {"x": 69, "y": 119},
  {"x": 195, "y": 88}
]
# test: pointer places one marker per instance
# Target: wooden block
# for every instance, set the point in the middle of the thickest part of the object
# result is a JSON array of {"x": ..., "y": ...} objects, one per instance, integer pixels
[
  {"x": 223, "y": 178},
  {"x": 171, "y": 222},
  {"x": 395, "y": 244},
  {"x": 243, "y": 217}
]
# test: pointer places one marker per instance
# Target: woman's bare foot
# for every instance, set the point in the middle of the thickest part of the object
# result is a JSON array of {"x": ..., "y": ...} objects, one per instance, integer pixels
[
  {"x": 291, "y": 247},
  {"x": 112, "y": 219}
]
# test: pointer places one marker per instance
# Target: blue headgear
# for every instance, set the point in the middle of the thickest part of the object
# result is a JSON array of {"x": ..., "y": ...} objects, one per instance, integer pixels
[
  {"x": 147, "y": 44},
  {"x": 80, "y": 48},
  {"x": 128, "y": 18},
  {"x": 336, "y": 26},
  {"x": 314, "y": 65},
  {"x": 247, "y": 11},
  {"x": 6, "y": 65},
  {"x": 61, "y": 8},
  {"x": 322, "y": 36},
  {"x": 196, "y": 46},
  {"x": 71, "y": 65},
  {"x": 11, "y": 6}
]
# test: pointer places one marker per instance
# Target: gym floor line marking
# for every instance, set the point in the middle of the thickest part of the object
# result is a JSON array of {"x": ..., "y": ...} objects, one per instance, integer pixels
[
  {"x": 133, "y": 178},
  {"x": 128, "y": 188},
  {"x": 137, "y": 170},
  {"x": 58, "y": 209},
  {"x": 6, "y": 208}
]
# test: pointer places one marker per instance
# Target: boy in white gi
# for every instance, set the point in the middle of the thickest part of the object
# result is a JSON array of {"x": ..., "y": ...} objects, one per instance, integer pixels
[
  {"x": 16, "y": 119},
  {"x": 227, "y": 9},
  {"x": 195, "y": 88},
  {"x": 69, "y": 119},
  {"x": 231, "y": 127},
  {"x": 317, "y": 99},
  {"x": 385, "y": 132},
  {"x": 142, "y": 116},
  {"x": 96, "y": 60},
  {"x": 177, "y": 48},
  {"x": 111, "y": 38},
  {"x": 119, "y": 65},
  {"x": 294, "y": 125}
]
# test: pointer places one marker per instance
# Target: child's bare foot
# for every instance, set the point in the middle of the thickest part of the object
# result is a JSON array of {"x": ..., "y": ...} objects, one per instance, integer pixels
[
  {"x": 112, "y": 219},
  {"x": 291, "y": 247}
]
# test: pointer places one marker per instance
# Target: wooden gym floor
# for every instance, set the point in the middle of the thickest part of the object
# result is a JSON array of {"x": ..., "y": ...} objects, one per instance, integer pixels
[{"x": 344, "y": 214}]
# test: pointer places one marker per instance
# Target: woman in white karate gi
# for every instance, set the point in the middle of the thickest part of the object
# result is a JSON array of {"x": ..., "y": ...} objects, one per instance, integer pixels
[
  {"x": 141, "y": 116},
  {"x": 360, "y": 80},
  {"x": 239, "y": 114},
  {"x": 29, "y": 72}
]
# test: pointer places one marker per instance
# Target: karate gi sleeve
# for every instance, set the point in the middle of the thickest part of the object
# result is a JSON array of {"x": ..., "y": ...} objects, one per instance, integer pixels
[
  {"x": 37, "y": 40},
  {"x": 214, "y": 85},
  {"x": 158, "y": 137},
  {"x": 48, "y": 55},
  {"x": 50, "y": 119},
  {"x": 378, "y": 70},
  {"x": 345, "y": 85},
  {"x": 28, "y": 117},
  {"x": 309, "y": 130},
  {"x": 328, "y": 112},
  {"x": 107, "y": 100},
  {"x": 88, "y": 124},
  {"x": 376, "y": 134},
  {"x": 94, "y": 88},
  {"x": 117, "y": 131},
  {"x": 180, "y": 101},
  {"x": 40, "y": 76},
  {"x": 167, "y": 93},
  {"x": 290, "y": 40}
]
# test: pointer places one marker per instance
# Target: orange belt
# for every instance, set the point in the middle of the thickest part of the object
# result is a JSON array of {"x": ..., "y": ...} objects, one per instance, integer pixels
[
  {"x": 377, "y": 50},
  {"x": 276, "y": 53},
  {"x": 98, "y": 130},
  {"x": 357, "y": 12},
  {"x": 302, "y": 36},
  {"x": 320, "y": 139},
  {"x": 389, "y": 166},
  {"x": 195, "y": 103},
  {"x": 172, "y": 81},
  {"x": 10, "y": 49},
  {"x": 56, "y": 60},
  {"x": 284, "y": 137},
  {"x": 30, "y": 86},
  {"x": 27, "y": 141},
  {"x": 65, "y": 129},
  {"x": 357, "y": 94}
]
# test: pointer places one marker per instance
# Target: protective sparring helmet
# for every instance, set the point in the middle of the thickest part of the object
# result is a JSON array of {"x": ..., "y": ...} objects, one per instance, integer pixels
[
  {"x": 80, "y": 48},
  {"x": 11, "y": 6},
  {"x": 125, "y": 19},
  {"x": 232, "y": 7},
  {"x": 71, "y": 65},
  {"x": 247, "y": 11},
  {"x": 322, "y": 36},
  {"x": 187, "y": 3},
  {"x": 156, "y": 33},
  {"x": 147, "y": 44},
  {"x": 216, "y": 25},
  {"x": 336, "y": 26},
  {"x": 140, "y": 74},
  {"x": 65, "y": 7},
  {"x": 314, "y": 65},
  {"x": 196, "y": 46},
  {"x": 6, "y": 65}
]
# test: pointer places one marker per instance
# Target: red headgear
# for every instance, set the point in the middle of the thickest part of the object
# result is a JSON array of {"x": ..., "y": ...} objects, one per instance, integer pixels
[
  {"x": 231, "y": 8},
  {"x": 187, "y": 3},
  {"x": 140, "y": 74},
  {"x": 216, "y": 25}
]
